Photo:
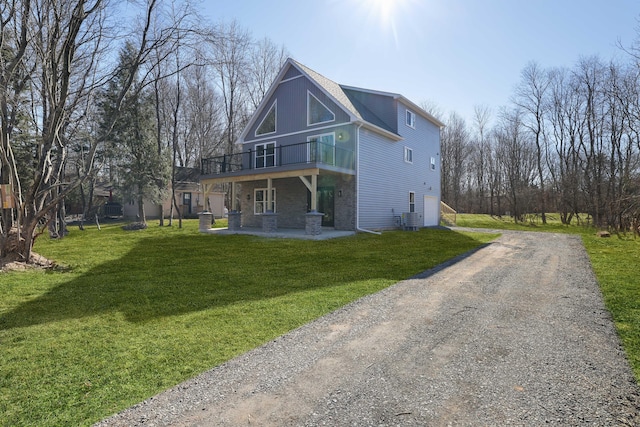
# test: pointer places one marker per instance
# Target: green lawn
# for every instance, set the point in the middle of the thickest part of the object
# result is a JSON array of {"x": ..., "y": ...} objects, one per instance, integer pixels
[
  {"x": 130, "y": 314},
  {"x": 615, "y": 261},
  {"x": 532, "y": 223}
]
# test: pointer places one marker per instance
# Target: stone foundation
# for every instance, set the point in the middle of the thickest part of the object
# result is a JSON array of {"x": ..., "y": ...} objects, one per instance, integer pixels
[
  {"x": 313, "y": 223},
  {"x": 205, "y": 221},
  {"x": 235, "y": 220},
  {"x": 269, "y": 222}
]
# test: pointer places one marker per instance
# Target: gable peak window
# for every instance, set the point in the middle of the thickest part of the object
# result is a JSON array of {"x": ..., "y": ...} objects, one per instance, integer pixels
[
  {"x": 268, "y": 123},
  {"x": 317, "y": 112},
  {"x": 411, "y": 119}
]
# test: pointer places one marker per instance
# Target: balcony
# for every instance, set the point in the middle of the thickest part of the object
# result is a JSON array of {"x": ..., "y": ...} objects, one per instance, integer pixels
[{"x": 286, "y": 157}]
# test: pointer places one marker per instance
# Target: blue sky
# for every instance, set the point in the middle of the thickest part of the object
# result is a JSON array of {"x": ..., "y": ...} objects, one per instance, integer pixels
[{"x": 454, "y": 53}]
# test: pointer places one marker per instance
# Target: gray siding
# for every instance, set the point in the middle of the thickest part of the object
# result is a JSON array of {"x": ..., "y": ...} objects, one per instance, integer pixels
[
  {"x": 291, "y": 72},
  {"x": 385, "y": 179},
  {"x": 425, "y": 141},
  {"x": 377, "y": 109},
  {"x": 292, "y": 110}
]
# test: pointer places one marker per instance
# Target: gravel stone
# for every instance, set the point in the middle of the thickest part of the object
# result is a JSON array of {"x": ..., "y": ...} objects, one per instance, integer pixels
[{"x": 515, "y": 333}]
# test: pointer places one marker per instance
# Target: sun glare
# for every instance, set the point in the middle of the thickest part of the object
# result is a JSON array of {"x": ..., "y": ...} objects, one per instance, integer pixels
[
  {"x": 384, "y": 7},
  {"x": 385, "y": 14}
]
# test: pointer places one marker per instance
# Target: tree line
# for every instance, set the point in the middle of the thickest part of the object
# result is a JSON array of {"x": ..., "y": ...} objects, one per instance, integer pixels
[
  {"x": 569, "y": 142},
  {"x": 117, "y": 92}
]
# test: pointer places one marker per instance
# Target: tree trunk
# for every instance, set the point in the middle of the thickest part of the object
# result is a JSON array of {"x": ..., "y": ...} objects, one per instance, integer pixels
[{"x": 141, "y": 214}]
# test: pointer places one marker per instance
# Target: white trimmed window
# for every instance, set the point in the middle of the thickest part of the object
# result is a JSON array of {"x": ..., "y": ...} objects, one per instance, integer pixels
[
  {"x": 265, "y": 155},
  {"x": 317, "y": 112},
  {"x": 412, "y": 201},
  {"x": 268, "y": 123},
  {"x": 260, "y": 205},
  {"x": 408, "y": 155},
  {"x": 433, "y": 163},
  {"x": 411, "y": 119}
]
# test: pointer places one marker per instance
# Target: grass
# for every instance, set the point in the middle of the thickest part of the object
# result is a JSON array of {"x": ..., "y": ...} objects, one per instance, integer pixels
[
  {"x": 134, "y": 313},
  {"x": 615, "y": 261},
  {"x": 532, "y": 223}
]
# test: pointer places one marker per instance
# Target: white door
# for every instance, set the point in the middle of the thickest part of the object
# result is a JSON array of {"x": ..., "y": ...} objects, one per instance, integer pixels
[{"x": 431, "y": 211}]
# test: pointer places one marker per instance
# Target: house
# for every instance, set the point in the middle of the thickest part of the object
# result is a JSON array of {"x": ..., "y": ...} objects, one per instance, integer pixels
[
  {"x": 320, "y": 154},
  {"x": 189, "y": 195}
]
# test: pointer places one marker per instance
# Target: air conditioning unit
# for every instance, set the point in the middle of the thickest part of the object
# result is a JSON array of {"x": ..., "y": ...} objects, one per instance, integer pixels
[{"x": 410, "y": 221}]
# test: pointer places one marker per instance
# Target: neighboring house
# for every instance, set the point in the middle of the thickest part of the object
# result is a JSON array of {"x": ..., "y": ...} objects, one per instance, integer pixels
[
  {"x": 363, "y": 158},
  {"x": 189, "y": 196}
]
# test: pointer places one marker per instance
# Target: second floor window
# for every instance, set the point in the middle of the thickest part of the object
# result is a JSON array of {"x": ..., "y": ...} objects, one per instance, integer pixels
[
  {"x": 411, "y": 119},
  {"x": 265, "y": 155},
  {"x": 408, "y": 155},
  {"x": 322, "y": 148}
]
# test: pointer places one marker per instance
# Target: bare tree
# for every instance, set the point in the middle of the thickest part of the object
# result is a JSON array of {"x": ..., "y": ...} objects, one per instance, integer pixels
[
  {"x": 265, "y": 60},
  {"x": 589, "y": 74},
  {"x": 204, "y": 116},
  {"x": 564, "y": 120},
  {"x": 432, "y": 107},
  {"x": 229, "y": 58},
  {"x": 53, "y": 54},
  {"x": 570, "y": 144},
  {"x": 531, "y": 96},
  {"x": 480, "y": 154},
  {"x": 495, "y": 172},
  {"x": 517, "y": 157},
  {"x": 41, "y": 44},
  {"x": 454, "y": 150}
]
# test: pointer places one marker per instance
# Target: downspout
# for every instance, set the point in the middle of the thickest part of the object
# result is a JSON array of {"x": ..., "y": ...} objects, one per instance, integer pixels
[{"x": 358, "y": 185}]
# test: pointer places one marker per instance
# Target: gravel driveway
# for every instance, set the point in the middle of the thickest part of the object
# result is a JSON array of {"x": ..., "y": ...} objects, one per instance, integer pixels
[{"x": 513, "y": 334}]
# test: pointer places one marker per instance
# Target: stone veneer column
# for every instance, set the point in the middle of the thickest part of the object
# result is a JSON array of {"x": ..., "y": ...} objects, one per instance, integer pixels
[
  {"x": 205, "y": 221},
  {"x": 269, "y": 222},
  {"x": 234, "y": 220},
  {"x": 313, "y": 223}
]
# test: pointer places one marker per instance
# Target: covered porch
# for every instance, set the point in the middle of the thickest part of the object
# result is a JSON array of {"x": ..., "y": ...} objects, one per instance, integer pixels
[{"x": 309, "y": 200}]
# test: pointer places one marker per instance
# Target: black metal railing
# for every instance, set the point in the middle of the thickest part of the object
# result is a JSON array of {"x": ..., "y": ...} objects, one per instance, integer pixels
[{"x": 267, "y": 157}]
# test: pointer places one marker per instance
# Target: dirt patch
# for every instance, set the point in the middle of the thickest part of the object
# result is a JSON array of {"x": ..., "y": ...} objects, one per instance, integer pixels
[
  {"x": 135, "y": 226},
  {"x": 37, "y": 261}
]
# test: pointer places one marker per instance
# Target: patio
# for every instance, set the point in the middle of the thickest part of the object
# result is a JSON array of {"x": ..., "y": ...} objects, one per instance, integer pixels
[{"x": 283, "y": 233}]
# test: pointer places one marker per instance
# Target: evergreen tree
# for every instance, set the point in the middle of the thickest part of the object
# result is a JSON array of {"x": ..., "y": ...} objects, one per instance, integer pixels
[{"x": 138, "y": 171}]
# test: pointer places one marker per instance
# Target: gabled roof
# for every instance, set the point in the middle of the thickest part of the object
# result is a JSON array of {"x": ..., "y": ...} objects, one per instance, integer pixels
[
  {"x": 187, "y": 174},
  {"x": 357, "y": 111},
  {"x": 332, "y": 89}
]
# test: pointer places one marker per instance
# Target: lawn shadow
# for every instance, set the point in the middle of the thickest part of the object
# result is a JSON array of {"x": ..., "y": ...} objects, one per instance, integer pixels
[
  {"x": 181, "y": 275},
  {"x": 438, "y": 268}
]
